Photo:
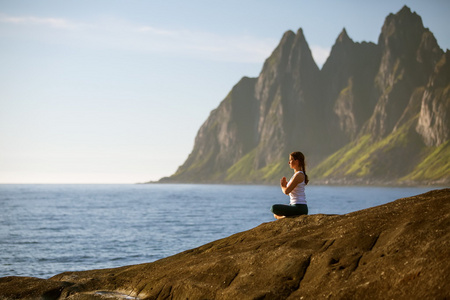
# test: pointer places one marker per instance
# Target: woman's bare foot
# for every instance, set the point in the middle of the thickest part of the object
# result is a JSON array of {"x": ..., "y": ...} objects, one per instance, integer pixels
[{"x": 278, "y": 217}]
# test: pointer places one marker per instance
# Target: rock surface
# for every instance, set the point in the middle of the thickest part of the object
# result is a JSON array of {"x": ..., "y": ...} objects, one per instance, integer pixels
[{"x": 399, "y": 250}]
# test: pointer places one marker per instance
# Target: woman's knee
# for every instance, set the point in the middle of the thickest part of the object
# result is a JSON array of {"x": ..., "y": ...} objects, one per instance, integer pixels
[
  {"x": 272, "y": 208},
  {"x": 277, "y": 209}
]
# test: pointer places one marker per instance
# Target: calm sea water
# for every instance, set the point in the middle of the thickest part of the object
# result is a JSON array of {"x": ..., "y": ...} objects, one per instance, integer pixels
[{"x": 49, "y": 229}]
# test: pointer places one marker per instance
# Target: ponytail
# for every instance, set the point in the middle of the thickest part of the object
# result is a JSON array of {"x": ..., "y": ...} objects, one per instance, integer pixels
[{"x": 304, "y": 172}]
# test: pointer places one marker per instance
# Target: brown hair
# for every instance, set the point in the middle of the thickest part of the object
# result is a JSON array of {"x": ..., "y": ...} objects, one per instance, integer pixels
[{"x": 301, "y": 158}]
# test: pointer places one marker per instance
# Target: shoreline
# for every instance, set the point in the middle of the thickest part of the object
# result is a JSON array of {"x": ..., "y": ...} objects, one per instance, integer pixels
[{"x": 329, "y": 182}]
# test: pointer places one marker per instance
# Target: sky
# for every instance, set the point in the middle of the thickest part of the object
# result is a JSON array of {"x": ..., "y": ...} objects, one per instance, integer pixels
[{"x": 106, "y": 91}]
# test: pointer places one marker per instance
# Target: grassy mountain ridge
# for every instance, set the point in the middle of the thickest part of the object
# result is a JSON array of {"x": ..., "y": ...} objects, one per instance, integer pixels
[{"x": 364, "y": 159}]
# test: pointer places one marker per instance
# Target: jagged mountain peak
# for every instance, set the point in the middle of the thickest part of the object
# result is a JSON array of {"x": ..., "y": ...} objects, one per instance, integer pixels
[
  {"x": 343, "y": 37},
  {"x": 341, "y": 50},
  {"x": 405, "y": 11},
  {"x": 291, "y": 56},
  {"x": 300, "y": 35},
  {"x": 287, "y": 42},
  {"x": 405, "y": 14},
  {"x": 404, "y": 25},
  {"x": 287, "y": 36},
  {"x": 344, "y": 51}
]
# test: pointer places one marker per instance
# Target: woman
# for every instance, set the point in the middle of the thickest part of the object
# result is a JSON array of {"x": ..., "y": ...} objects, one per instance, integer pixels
[{"x": 295, "y": 188}]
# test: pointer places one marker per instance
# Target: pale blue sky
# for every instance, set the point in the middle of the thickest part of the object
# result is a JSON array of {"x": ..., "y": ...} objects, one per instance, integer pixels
[{"x": 115, "y": 91}]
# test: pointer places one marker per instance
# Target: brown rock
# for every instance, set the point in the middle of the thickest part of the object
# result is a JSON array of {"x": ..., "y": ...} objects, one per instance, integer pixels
[
  {"x": 30, "y": 288},
  {"x": 395, "y": 251}
]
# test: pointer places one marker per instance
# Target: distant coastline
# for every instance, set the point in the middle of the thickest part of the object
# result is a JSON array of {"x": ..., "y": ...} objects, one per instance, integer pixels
[{"x": 442, "y": 183}]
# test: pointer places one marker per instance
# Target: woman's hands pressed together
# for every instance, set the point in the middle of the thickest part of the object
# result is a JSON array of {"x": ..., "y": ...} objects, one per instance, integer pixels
[{"x": 283, "y": 182}]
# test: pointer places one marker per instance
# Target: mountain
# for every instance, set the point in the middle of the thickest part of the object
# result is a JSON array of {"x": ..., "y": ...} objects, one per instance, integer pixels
[{"x": 375, "y": 113}]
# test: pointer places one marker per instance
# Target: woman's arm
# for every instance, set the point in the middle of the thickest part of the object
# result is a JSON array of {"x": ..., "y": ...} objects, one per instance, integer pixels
[{"x": 299, "y": 177}]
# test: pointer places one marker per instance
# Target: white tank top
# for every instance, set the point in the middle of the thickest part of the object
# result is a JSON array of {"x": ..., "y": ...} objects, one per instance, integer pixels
[{"x": 297, "y": 195}]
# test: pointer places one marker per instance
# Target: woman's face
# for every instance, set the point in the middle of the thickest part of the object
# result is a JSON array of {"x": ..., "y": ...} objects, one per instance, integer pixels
[{"x": 292, "y": 162}]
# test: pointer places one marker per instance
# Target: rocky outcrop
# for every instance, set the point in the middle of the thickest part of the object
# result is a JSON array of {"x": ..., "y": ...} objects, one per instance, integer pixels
[
  {"x": 398, "y": 250},
  {"x": 378, "y": 111}
]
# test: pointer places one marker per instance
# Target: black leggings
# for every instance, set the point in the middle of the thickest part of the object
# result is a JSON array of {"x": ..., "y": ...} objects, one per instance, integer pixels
[{"x": 289, "y": 210}]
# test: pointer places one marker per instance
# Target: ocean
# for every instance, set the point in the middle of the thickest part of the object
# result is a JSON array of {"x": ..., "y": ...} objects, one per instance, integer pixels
[{"x": 49, "y": 229}]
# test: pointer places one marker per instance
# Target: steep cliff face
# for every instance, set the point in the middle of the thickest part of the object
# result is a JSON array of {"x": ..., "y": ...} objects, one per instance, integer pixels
[
  {"x": 434, "y": 120},
  {"x": 408, "y": 55},
  {"x": 347, "y": 80},
  {"x": 286, "y": 91},
  {"x": 228, "y": 134},
  {"x": 375, "y": 112}
]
